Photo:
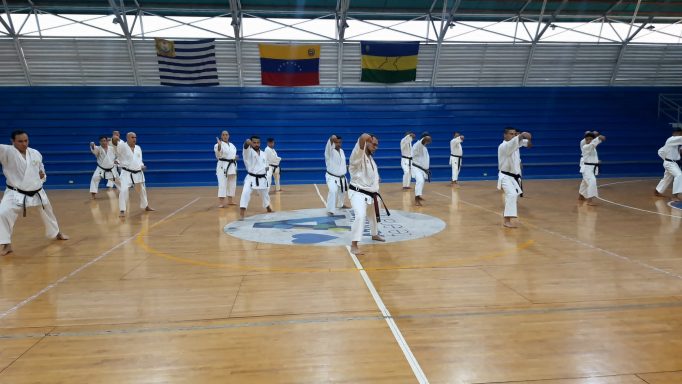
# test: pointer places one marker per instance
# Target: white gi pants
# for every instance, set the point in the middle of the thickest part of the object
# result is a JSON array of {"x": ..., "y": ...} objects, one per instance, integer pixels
[
  {"x": 672, "y": 174},
  {"x": 335, "y": 197},
  {"x": 363, "y": 207},
  {"x": 10, "y": 210},
  {"x": 588, "y": 187},
  {"x": 227, "y": 185},
  {"x": 127, "y": 179},
  {"x": 512, "y": 190},
  {"x": 419, "y": 178},
  {"x": 407, "y": 176},
  {"x": 100, "y": 174},
  {"x": 274, "y": 173},
  {"x": 250, "y": 186},
  {"x": 455, "y": 163}
]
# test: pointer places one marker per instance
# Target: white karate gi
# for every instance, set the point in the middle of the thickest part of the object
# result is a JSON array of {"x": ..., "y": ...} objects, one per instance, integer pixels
[
  {"x": 132, "y": 174},
  {"x": 671, "y": 151},
  {"x": 456, "y": 157},
  {"x": 509, "y": 160},
  {"x": 406, "y": 159},
  {"x": 226, "y": 171},
  {"x": 273, "y": 166},
  {"x": 23, "y": 173},
  {"x": 588, "y": 186},
  {"x": 106, "y": 169},
  {"x": 256, "y": 164},
  {"x": 335, "y": 160},
  {"x": 420, "y": 158},
  {"x": 364, "y": 175}
]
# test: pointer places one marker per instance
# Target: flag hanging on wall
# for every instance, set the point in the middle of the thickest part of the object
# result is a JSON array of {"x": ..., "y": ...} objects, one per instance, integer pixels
[
  {"x": 187, "y": 62},
  {"x": 389, "y": 62},
  {"x": 289, "y": 65}
]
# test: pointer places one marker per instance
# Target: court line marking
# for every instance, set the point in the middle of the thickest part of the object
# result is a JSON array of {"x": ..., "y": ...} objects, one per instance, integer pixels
[
  {"x": 407, "y": 352},
  {"x": 86, "y": 265},
  {"x": 631, "y": 207},
  {"x": 610, "y": 253},
  {"x": 335, "y": 319}
]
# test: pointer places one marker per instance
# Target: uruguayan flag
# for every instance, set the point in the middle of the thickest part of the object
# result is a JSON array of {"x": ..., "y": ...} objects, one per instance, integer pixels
[{"x": 187, "y": 62}]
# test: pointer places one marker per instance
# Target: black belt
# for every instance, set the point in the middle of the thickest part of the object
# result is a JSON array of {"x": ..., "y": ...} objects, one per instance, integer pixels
[
  {"x": 273, "y": 166},
  {"x": 674, "y": 161},
  {"x": 517, "y": 178},
  {"x": 342, "y": 181},
  {"x": 375, "y": 196},
  {"x": 427, "y": 171},
  {"x": 257, "y": 176},
  {"x": 408, "y": 158},
  {"x": 107, "y": 170},
  {"x": 596, "y": 167},
  {"x": 28, "y": 194},
  {"x": 229, "y": 162},
  {"x": 132, "y": 180},
  {"x": 459, "y": 163}
]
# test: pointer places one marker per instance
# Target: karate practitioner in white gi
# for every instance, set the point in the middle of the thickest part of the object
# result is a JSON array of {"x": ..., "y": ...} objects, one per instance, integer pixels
[
  {"x": 335, "y": 160},
  {"x": 25, "y": 174},
  {"x": 589, "y": 167},
  {"x": 256, "y": 175},
  {"x": 226, "y": 169},
  {"x": 406, "y": 158},
  {"x": 364, "y": 189},
  {"x": 129, "y": 155},
  {"x": 106, "y": 168},
  {"x": 456, "y": 156},
  {"x": 420, "y": 166},
  {"x": 273, "y": 164},
  {"x": 509, "y": 176},
  {"x": 670, "y": 154}
]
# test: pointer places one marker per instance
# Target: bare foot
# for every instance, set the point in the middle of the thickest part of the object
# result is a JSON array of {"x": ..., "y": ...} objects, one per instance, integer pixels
[
  {"x": 591, "y": 202},
  {"x": 242, "y": 213},
  {"x": 6, "y": 249},
  {"x": 418, "y": 201},
  {"x": 330, "y": 213},
  {"x": 677, "y": 197},
  {"x": 149, "y": 209},
  {"x": 269, "y": 209},
  {"x": 221, "y": 206},
  {"x": 658, "y": 194},
  {"x": 61, "y": 236},
  {"x": 93, "y": 196},
  {"x": 230, "y": 202},
  {"x": 355, "y": 250},
  {"x": 345, "y": 206},
  {"x": 509, "y": 224},
  {"x": 406, "y": 188},
  {"x": 122, "y": 214},
  {"x": 581, "y": 197},
  {"x": 378, "y": 238},
  {"x": 279, "y": 190}
]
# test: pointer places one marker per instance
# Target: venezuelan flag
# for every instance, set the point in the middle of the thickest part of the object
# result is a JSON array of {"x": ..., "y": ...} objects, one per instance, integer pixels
[
  {"x": 389, "y": 62},
  {"x": 289, "y": 65}
]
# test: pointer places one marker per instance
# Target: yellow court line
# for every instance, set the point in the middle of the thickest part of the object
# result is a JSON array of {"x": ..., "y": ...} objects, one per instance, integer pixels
[{"x": 139, "y": 241}]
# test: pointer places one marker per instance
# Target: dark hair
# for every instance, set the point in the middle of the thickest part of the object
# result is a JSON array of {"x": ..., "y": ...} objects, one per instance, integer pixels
[
  {"x": 17, "y": 133},
  {"x": 507, "y": 129},
  {"x": 677, "y": 129},
  {"x": 254, "y": 138},
  {"x": 338, "y": 137},
  {"x": 103, "y": 137},
  {"x": 271, "y": 140},
  {"x": 425, "y": 134},
  {"x": 456, "y": 133},
  {"x": 590, "y": 134}
]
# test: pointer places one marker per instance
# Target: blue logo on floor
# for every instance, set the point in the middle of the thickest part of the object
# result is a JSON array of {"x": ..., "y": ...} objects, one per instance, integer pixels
[
  {"x": 676, "y": 204},
  {"x": 315, "y": 227}
]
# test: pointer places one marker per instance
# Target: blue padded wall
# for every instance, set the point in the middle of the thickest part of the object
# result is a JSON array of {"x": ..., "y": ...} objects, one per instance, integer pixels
[{"x": 176, "y": 127}]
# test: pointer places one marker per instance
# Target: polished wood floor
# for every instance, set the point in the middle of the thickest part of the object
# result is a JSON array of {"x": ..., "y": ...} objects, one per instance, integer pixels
[{"x": 576, "y": 295}]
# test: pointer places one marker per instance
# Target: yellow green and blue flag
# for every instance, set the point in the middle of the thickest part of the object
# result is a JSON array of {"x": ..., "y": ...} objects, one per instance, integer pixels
[{"x": 389, "y": 62}]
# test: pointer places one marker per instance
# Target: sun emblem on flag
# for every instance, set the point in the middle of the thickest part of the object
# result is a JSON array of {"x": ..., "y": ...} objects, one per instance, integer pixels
[
  {"x": 165, "y": 47},
  {"x": 311, "y": 52}
]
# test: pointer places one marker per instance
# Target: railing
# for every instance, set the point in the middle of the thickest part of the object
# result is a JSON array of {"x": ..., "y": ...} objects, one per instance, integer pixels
[{"x": 670, "y": 106}]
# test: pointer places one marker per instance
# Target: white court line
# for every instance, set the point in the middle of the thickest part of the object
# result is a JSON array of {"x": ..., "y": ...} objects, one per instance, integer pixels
[
  {"x": 610, "y": 253},
  {"x": 411, "y": 359},
  {"x": 631, "y": 207},
  {"x": 89, "y": 263}
]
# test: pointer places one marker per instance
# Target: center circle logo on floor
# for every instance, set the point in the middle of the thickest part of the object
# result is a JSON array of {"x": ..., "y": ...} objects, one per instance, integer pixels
[
  {"x": 315, "y": 227},
  {"x": 676, "y": 204}
]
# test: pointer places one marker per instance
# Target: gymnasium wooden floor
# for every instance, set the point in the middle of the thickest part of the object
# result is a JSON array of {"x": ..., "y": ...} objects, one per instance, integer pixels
[{"x": 576, "y": 295}]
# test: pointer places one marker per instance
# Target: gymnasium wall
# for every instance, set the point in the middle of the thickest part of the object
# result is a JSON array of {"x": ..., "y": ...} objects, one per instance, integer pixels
[{"x": 176, "y": 127}]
